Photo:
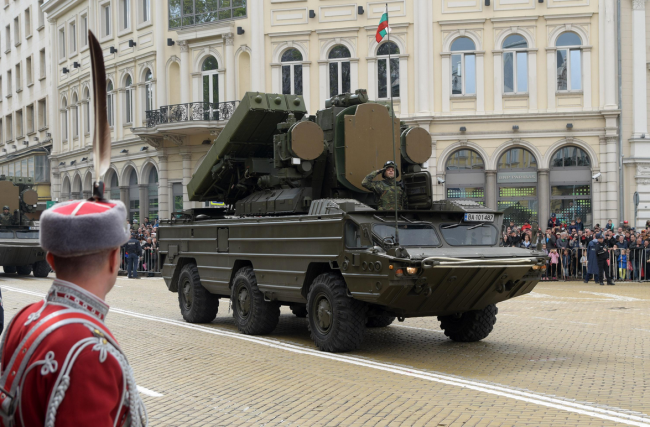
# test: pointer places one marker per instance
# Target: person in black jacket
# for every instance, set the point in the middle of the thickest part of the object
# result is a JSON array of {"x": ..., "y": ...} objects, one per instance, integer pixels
[{"x": 132, "y": 252}]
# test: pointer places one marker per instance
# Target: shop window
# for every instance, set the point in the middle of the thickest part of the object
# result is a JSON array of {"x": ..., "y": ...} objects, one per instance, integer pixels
[
  {"x": 339, "y": 70},
  {"x": 571, "y": 189},
  {"x": 114, "y": 188},
  {"x": 517, "y": 186},
  {"x": 387, "y": 70},
  {"x": 515, "y": 64},
  {"x": 465, "y": 176},
  {"x": 463, "y": 67},
  {"x": 291, "y": 72},
  {"x": 569, "y": 62}
]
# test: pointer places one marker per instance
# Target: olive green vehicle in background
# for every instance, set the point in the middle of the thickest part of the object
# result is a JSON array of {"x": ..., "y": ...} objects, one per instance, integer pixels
[
  {"x": 20, "y": 249},
  {"x": 301, "y": 231}
]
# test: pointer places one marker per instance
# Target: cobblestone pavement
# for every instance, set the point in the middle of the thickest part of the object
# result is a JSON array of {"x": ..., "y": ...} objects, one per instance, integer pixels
[{"x": 568, "y": 354}]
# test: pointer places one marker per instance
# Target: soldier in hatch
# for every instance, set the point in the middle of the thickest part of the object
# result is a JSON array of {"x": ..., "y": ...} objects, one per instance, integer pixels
[
  {"x": 6, "y": 218},
  {"x": 385, "y": 189}
]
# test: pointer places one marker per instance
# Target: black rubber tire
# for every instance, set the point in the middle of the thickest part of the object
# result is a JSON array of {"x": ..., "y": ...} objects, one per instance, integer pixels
[
  {"x": 380, "y": 321},
  {"x": 24, "y": 270},
  {"x": 41, "y": 268},
  {"x": 336, "y": 322},
  {"x": 299, "y": 310},
  {"x": 197, "y": 304},
  {"x": 471, "y": 326},
  {"x": 9, "y": 269},
  {"x": 253, "y": 315}
]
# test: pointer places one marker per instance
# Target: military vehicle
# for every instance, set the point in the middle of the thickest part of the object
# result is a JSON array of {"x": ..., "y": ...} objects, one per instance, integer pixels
[
  {"x": 299, "y": 230},
  {"x": 20, "y": 249}
]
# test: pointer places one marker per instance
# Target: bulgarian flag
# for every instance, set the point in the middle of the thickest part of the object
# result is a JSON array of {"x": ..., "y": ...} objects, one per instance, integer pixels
[{"x": 383, "y": 29}]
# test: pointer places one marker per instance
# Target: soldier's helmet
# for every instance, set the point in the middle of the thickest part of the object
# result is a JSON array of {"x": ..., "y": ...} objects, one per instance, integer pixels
[
  {"x": 5, "y": 208},
  {"x": 390, "y": 164}
]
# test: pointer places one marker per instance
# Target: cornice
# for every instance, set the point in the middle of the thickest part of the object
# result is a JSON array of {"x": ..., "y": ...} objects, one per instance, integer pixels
[{"x": 56, "y": 8}]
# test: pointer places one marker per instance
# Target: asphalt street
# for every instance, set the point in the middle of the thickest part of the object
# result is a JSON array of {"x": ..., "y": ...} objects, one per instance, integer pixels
[{"x": 567, "y": 354}]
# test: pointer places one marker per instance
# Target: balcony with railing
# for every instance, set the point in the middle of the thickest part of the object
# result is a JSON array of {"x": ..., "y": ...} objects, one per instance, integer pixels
[{"x": 190, "y": 112}]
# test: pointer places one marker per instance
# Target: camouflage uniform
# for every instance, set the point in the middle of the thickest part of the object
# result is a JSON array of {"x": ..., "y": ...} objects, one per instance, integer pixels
[
  {"x": 6, "y": 219},
  {"x": 385, "y": 190}
]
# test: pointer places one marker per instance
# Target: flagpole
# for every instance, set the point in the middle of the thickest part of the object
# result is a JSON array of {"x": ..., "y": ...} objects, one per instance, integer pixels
[{"x": 392, "y": 122}]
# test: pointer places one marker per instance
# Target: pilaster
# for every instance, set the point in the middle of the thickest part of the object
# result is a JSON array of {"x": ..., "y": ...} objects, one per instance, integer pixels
[
  {"x": 543, "y": 195},
  {"x": 491, "y": 189},
  {"x": 185, "y": 72}
]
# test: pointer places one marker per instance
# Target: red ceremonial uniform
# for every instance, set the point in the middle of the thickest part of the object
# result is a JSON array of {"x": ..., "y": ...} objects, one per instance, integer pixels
[{"x": 73, "y": 372}]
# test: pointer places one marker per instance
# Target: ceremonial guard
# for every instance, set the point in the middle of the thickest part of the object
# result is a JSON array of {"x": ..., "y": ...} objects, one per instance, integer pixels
[
  {"x": 60, "y": 365},
  {"x": 386, "y": 188}
]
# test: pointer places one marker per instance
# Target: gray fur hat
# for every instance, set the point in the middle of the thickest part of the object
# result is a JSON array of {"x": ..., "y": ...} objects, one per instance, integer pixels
[{"x": 82, "y": 227}]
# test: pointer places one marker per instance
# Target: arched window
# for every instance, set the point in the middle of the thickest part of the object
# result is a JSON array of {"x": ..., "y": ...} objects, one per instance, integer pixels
[
  {"x": 152, "y": 191},
  {"x": 517, "y": 182},
  {"x": 387, "y": 69},
  {"x": 110, "y": 103},
  {"x": 571, "y": 189},
  {"x": 134, "y": 197},
  {"x": 86, "y": 110},
  {"x": 463, "y": 67},
  {"x": 515, "y": 64},
  {"x": 291, "y": 72},
  {"x": 148, "y": 91},
  {"x": 569, "y": 62},
  {"x": 339, "y": 70},
  {"x": 465, "y": 176},
  {"x": 75, "y": 116},
  {"x": 114, "y": 188},
  {"x": 128, "y": 99},
  {"x": 64, "y": 119},
  {"x": 210, "y": 79}
]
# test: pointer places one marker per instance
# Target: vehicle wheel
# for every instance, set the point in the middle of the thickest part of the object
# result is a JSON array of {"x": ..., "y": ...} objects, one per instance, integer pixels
[
  {"x": 470, "y": 326},
  {"x": 299, "y": 310},
  {"x": 336, "y": 321},
  {"x": 24, "y": 270},
  {"x": 380, "y": 321},
  {"x": 41, "y": 269},
  {"x": 196, "y": 303},
  {"x": 9, "y": 269},
  {"x": 253, "y": 315}
]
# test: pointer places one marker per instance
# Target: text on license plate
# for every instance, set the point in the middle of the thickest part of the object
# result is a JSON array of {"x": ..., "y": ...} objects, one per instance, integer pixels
[{"x": 478, "y": 217}]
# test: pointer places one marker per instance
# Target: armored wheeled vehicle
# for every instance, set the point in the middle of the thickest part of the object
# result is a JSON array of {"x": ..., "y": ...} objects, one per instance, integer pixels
[
  {"x": 299, "y": 230},
  {"x": 20, "y": 250}
]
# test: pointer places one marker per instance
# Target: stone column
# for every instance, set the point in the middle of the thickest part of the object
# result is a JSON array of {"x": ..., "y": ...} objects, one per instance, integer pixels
[
  {"x": 480, "y": 83},
  {"x": 423, "y": 20},
  {"x": 639, "y": 74},
  {"x": 586, "y": 63},
  {"x": 185, "y": 72},
  {"x": 446, "y": 81},
  {"x": 612, "y": 179},
  {"x": 230, "y": 66},
  {"x": 551, "y": 78},
  {"x": 371, "y": 64},
  {"x": 163, "y": 190},
  {"x": 161, "y": 42},
  {"x": 601, "y": 187},
  {"x": 187, "y": 176},
  {"x": 258, "y": 60},
  {"x": 498, "y": 81},
  {"x": 491, "y": 189},
  {"x": 144, "y": 201},
  {"x": 124, "y": 197},
  {"x": 609, "y": 38},
  {"x": 543, "y": 197},
  {"x": 532, "y": 80}
]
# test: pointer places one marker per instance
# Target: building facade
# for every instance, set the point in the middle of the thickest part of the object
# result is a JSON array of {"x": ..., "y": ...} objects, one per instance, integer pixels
[
  {"x": 25, "y": 140},
  {"x": 520, "y": 97}
]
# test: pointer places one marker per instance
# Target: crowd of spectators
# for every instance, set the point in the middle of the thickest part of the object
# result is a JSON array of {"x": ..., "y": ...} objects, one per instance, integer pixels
[
  {"x": 566, "y": 244},
  {"x": 146, "y": 233}
]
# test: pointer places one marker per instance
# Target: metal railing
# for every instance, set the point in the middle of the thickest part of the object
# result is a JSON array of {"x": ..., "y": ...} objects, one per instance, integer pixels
[
  {"x": 191, "y": 111},
  {"x": 146, "y": 265}
]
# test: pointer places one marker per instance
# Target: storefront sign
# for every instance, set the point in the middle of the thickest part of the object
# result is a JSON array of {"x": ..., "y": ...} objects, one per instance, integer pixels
[{"x": 516, "y": 177}]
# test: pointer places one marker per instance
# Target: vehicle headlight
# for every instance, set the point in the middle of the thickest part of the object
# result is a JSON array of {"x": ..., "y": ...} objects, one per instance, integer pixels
[{"x": 411, "y": 271}]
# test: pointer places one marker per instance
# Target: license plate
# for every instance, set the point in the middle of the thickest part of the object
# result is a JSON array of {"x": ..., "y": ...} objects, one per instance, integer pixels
[{"x": 479, "y": 217}]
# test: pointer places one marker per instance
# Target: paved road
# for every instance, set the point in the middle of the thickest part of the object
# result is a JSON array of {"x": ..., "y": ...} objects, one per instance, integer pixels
[{"x": 568, "y": 354}]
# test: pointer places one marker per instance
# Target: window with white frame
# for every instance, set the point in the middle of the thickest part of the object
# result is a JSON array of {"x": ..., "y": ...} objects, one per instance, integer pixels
[
  {"x": 210, "y": 78},
  {"x": 387, "y": 70},
  {"x": 515, "y": 64},
  {"x": 1, "y": 89},
  {"x": 19, "y": 78},
  {"x": 8, "y": 37},
  {"x": 106, "y": 19},
  {"x": 125, "y": 14},
  {"x": 43, "y": 65},
  {"x": 145, "y": 10},
  {"x": 339, "y": 70},
  {"x": 72, "y": 35},
  {"x": 9, "y": 83},
  {"x": 463, "y": 67},
  {"x": 291, "y": 72},
  {"x": 29, "y": 72},
  {"x": 41, "y": 14},
  {"x": 148, "y": 91},
  {"x": 10, "y": 129},
  {"x": 569, "y": 62},
  {"x": 110, "y": 103},
  {"x": 29, "y": 118},
  {"x": 62, "y": 43},
  {"x": 19, "y": 124},
  {"x": 86, "y": 110},
  {"x": 75, "y": 115},
  {"x": 83, "y": 37},
  {"x": 17, "y": 31},
  {"x": 42, "y": 113},
  {"x": 28, "y": 22},
  {"x": 2, "y": 141},
  {"x": 64, "y": 119},
  {"x": 128, "y": 99}
]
